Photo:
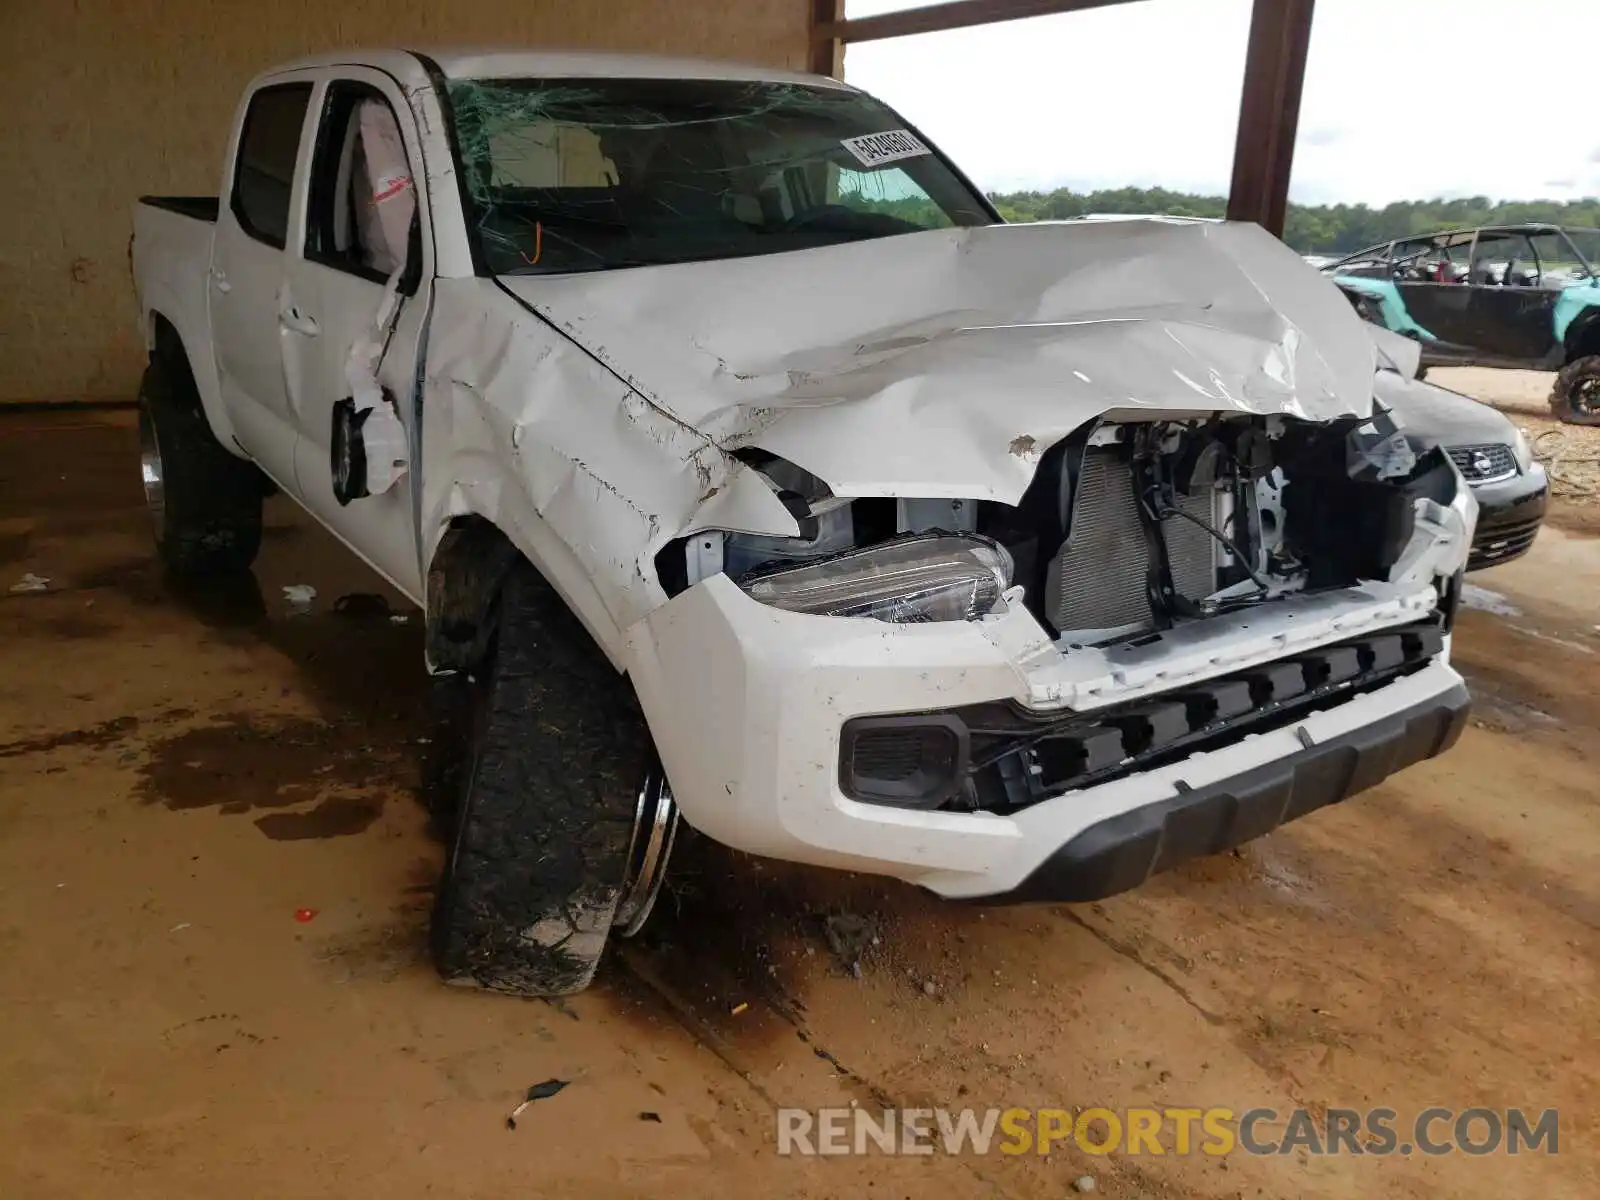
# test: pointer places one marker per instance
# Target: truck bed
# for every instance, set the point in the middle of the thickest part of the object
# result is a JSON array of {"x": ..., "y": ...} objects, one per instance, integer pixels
[{"x": 171, "y": 257}]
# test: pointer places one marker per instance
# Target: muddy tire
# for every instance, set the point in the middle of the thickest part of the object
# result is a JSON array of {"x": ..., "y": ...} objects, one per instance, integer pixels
[
  {"x": 205, "y": 503},
  {"x": 557, "y": 754},
  {"x": 1576, "y": 397},
  {"x": 445, "y": 753}
]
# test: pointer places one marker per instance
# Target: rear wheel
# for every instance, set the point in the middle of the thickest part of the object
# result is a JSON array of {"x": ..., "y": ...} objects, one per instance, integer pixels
[
  {"x": 204, "y": 502},
  {"x": 1576, "y": 398},
  {"x": 564, "y": 821}
]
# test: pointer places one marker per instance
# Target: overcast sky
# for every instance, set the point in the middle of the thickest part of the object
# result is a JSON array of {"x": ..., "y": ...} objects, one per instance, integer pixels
[{"x": 1404, "y": 99}]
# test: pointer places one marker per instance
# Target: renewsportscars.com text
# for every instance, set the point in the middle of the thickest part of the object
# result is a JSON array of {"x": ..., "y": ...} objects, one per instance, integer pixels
[{"x": 1155, "y": 1131}]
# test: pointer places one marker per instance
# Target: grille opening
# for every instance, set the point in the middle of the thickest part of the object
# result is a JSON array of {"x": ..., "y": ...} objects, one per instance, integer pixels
[
  {"x": 998, "y": 757},
  {"x": 910, "y": 761},
  {"x": 1480, "y": 463}
]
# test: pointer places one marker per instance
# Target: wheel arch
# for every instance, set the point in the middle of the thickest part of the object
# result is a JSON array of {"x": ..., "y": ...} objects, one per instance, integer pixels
[
  {"x": 471, "y": 558},
  {"x": 1583, "y": 336},
  {"x": 165, "y": 343}
]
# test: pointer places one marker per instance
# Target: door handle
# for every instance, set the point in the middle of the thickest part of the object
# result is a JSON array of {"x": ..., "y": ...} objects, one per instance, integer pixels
[
  {"x": 220, "y": 279},
  {"x": 296, "y": 321}
]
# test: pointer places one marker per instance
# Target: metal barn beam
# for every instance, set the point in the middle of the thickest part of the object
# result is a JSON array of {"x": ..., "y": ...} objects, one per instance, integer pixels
[
  {"x": 956, "y": 14},
  {"x": 827, "y": 51},
  {"x": 1269, "y": 112}
]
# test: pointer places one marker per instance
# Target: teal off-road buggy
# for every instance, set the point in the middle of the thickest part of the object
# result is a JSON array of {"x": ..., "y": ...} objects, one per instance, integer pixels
[{"x": 1499, "y": 296}]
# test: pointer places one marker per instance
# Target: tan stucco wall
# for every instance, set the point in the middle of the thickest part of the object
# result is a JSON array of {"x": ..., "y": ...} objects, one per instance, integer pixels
[{"x": 107, "y": 99}]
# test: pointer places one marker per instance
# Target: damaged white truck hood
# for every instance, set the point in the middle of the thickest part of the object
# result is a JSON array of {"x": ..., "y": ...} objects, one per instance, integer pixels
[{"x": 945, "y": 363}]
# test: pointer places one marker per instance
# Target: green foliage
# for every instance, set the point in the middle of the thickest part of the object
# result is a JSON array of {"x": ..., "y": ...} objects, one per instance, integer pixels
[{"x": 1310, "y": 229}]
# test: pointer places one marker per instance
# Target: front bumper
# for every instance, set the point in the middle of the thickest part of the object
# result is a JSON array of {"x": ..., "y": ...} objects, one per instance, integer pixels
[
  {"x": 1121, "y": 852},
  {"x": 746, "y": 705},
  {"x": 1509, "y": 516}
]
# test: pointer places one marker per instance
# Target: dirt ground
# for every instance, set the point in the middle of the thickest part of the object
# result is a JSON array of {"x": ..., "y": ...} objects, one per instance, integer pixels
[{"x": 183, "y": 776}]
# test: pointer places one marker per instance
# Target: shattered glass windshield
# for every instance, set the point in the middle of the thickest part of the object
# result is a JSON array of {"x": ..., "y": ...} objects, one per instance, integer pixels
[{"x": 595, "y": 174}]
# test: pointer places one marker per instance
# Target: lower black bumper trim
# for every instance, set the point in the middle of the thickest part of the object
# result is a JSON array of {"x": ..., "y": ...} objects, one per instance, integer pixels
[{"x": 1122, "y": 852}]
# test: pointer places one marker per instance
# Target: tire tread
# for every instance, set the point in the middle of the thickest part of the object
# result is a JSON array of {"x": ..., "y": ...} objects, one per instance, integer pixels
[{"x": 542, "y": 833}]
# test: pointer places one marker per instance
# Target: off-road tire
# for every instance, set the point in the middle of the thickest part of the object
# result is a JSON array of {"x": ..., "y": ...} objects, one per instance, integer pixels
[
  {"x": 1576, "y": 396},
  {"x": 207, "y": 505},
  {"x": 446, "y": 750},
  {"x": 557, "y": 753}
]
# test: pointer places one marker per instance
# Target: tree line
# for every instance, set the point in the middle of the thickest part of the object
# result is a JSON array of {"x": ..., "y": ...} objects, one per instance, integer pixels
[{"x": 1309, "y": 228}]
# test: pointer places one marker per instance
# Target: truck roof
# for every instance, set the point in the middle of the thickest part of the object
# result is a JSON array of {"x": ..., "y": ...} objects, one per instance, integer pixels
[{"x": 501, "y": 62}]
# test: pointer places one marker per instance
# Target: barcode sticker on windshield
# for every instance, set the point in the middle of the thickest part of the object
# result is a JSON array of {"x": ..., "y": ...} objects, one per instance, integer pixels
[{"x": 874, "y": 148}]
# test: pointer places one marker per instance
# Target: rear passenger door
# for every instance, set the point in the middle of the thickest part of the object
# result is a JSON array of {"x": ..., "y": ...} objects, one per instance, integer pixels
[
  {"x": 1514, "y": 319},
  {"x": 255, "y": 221},
  {"x": 355, "y": 298}
]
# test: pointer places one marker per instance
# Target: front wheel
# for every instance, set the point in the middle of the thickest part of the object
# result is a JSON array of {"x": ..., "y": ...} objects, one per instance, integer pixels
[
  {"x": 564, "y": 821},
  {"x": 1576, "y": 396}
]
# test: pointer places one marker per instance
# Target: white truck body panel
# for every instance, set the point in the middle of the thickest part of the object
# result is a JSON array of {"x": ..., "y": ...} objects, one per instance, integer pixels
[
  {"x": 595, "y": 418},
  {"x": 172, "y": 272}
]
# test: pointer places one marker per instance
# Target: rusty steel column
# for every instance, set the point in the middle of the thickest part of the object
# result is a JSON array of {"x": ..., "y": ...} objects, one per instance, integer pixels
[{"x": 1269, "y": 112}]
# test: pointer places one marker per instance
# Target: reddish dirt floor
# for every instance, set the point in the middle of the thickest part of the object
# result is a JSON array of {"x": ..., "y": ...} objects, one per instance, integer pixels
[{"x": 182, "y": 771}]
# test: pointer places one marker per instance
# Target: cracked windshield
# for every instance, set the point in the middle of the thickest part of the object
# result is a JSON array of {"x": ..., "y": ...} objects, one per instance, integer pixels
[{"x": 632, "y": 173}]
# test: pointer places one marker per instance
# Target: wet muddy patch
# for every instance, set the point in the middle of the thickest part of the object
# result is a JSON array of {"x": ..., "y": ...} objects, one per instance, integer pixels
[
  {"x": 73, "y": 627},
  {"x": 14, "y": 548},
  {"x": 248, "y": 764},
  {"x": 728, "y": 929},
  {"x": 336, "y": 816},
  {"x": 738, "y": 945},
  {"x": 90, "y": 737},
  {"x": 383, "y": 951}
]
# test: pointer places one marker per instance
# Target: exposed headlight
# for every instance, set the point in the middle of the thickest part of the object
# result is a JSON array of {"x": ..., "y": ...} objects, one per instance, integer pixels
[
  {"x": 1520, "y": 450},
  {"x": 924, "y": 577}
]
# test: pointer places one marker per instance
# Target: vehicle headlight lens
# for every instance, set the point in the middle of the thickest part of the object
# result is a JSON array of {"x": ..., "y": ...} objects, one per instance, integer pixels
[
  {"x": 924, "y": 577},
  {"x": 1521, "y": 451}
]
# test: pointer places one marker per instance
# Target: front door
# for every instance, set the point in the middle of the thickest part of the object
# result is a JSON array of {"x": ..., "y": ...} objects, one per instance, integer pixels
[
  {"x": 1429, "y": 274},
  {"x": 247, "y": 272},
  {"x": 356, "y": 298}
]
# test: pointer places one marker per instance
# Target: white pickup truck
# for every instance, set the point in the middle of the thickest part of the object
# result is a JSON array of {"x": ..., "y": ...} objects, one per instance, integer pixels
[{"x": 728, "y": 439}]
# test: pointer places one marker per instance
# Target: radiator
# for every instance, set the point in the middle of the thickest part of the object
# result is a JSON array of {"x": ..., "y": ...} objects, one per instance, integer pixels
[{"x": 1097, "y": 578}]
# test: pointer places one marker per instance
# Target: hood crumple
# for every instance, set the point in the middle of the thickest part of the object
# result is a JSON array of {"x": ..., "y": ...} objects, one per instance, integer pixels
[{"x": 945, "y": 363}]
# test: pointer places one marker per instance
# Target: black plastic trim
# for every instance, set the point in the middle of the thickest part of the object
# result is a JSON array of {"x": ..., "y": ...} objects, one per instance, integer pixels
[
  {"x": 1121, "y": 852},
  {"x": 1510, "y": 518},
  {"x": 934, "y": 792},
  {"x": 200, "y": 208},
  {"x": 1217, "y": 711}
]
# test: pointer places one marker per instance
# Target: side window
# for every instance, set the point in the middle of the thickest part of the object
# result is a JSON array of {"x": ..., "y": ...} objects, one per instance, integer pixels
[
  {"x": 263, "y": 175},
  {"x": 363, "y": 203},
  {"x": 1369, "y": 264},
  {"x": 1492, "y": 257},
  {"x": 1411, "y": 260},
  {"x": 1555, "y": 264}
]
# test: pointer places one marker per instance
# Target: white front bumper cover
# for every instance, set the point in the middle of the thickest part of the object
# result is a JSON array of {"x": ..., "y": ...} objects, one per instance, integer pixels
[{"x": 746, "y": 704}]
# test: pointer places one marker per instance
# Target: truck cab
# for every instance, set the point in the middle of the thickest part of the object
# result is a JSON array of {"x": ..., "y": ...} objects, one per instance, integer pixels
[{"x": 325, "y": 246}]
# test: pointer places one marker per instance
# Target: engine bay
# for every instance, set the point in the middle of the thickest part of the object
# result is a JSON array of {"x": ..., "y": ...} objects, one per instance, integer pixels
[{"x": 1134, "y": 527}]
